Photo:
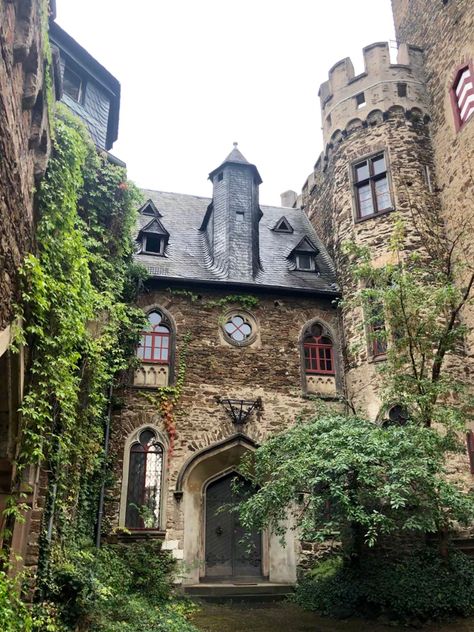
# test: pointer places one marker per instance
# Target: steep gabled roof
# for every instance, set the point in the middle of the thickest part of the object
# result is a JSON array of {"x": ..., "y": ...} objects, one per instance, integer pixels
[{"x": 189, "y": 257}]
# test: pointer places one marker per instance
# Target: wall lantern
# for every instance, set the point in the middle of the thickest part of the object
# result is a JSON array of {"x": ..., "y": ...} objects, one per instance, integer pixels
[{"x": 239, "y": 410}]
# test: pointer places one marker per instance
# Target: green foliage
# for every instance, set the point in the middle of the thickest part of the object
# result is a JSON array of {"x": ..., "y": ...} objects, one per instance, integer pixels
[
  {"x": 79, "y": 326},
  {"x": 245, "y": 300},
  {"x": 15, "y": 616},
  {"x": 345, "y": 476},
  {"x": 421, "y": 587},
  {"x": 420, "y": 300},
  {"x": 117, "y": 588}
]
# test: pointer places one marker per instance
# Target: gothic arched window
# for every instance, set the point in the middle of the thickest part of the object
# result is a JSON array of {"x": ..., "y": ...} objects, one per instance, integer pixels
[
  {"x": 155, "y": 340},
  {"x": 145, "y": 476},
  {"x": 318, "y": 351}
]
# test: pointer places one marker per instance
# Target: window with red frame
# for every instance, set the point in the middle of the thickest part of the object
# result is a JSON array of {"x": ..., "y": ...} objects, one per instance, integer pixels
[
  {"x": 155, "y": 340},
  {"x": 318, "y": 352},
  {"x": 462, "y": 95},
  {"x": 145, "y": 473}
]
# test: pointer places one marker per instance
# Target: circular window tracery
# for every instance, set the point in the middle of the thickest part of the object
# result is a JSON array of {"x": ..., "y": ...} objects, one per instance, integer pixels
[{"x": 239, "y": 328}]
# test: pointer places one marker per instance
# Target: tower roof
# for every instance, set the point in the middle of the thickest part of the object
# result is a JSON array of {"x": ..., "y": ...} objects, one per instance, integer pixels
[{"x": 236, "y": 158}]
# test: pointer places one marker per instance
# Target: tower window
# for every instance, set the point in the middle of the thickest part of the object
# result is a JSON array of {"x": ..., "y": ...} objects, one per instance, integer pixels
[
  {"x": 462, "y": 95},
  {"x": 220, "y": 177},
  {"x": 360, "y": 100},
  {"x": 402, "y": 89},
  {"x": 371, "y": 188}
]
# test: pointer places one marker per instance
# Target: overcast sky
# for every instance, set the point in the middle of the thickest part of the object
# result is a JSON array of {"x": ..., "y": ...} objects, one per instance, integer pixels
[{"x": 197, "y": 75}]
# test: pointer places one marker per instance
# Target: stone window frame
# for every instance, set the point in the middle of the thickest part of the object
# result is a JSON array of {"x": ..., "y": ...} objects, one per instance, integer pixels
[
  {"x": 133, "y": 437},
  {"x": 355, "y": 203},
  {"x": 170, "y": 322},
  {"x": 237, "y": 311},
  {"x": 458, "y": 123},
  {"x": 330, "y": 332}
]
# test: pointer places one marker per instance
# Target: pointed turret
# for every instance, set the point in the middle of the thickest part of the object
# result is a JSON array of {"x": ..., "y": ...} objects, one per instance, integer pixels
[{"x": 232, "y": 224}]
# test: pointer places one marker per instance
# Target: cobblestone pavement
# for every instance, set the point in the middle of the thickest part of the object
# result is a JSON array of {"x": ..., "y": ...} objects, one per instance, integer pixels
[{"x": 286, "y": 617}]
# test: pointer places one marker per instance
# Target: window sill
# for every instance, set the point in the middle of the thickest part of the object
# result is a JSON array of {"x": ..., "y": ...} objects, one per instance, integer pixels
[
  {"x": 136, "y": 535},
  {"x": 359, "y": 220},
  {"x": 378, "y": 358}
]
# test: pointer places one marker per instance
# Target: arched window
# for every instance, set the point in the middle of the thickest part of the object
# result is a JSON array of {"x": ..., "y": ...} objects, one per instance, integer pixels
[
  {"x": 318, "y": 352},
  {"x": 155, "y": 341},
  {"x": 145, "y": 476}
]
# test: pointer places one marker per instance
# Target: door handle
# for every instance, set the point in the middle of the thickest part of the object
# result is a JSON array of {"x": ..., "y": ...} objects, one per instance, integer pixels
[{"x": 219, "y": 531}]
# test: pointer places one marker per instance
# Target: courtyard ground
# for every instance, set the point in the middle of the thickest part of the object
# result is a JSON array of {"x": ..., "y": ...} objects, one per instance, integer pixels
[{"x": 288, "y": 617}]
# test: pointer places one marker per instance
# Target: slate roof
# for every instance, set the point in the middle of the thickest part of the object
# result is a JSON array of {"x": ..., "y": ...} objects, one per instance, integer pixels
[{"x": 188, "y": 256}]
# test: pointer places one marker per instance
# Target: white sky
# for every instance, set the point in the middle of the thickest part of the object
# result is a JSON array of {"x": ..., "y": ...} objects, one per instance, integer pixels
[{"x": 197, "y": 75}]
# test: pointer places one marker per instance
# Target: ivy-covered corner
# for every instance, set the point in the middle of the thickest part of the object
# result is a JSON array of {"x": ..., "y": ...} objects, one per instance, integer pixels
[{"x": 80, "y": 327}]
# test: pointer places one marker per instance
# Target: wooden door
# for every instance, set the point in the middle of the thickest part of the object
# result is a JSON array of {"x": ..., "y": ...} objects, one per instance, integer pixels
[{"x": 230, "y": 551}]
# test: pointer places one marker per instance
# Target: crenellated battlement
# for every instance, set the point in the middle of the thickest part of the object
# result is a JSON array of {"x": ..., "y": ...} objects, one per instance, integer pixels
[{"x": 347, "y": 97}]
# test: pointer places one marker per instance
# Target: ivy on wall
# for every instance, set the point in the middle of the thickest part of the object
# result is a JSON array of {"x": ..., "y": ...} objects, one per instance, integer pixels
[{"x": 79, "y": 327}]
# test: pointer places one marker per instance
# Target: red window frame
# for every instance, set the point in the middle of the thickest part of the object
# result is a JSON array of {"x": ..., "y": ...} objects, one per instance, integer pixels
[
  {"x": 458, "y": 122},
  {"x": 156, "y": 345},
  {"x": 317, "y": 362}
]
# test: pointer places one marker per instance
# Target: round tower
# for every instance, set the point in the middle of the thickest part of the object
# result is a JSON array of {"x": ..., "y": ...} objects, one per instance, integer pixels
[{"x": 377, "y": 163}]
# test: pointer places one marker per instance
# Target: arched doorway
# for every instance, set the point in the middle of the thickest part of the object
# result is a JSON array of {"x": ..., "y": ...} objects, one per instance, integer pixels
[{"x": 230, "y": 551}]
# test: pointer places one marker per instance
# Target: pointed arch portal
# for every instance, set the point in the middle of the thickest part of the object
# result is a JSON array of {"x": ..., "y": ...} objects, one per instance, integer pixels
[{"x": 212, "y": 538}]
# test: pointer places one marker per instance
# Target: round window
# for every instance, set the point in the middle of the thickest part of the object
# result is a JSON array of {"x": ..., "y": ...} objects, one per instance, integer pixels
[{"x": 239, "y": 328}]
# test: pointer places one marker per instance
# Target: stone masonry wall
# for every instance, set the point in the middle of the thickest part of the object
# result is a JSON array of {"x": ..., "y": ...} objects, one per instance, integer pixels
[
  {"x": 24, "y": 138},
  {"x": 445, "y": 31},
  {"x": 269, "y": 368},
  {"x": 331, "y": 208}
]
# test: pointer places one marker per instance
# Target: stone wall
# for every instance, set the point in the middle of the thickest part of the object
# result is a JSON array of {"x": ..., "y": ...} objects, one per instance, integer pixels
[
  {"x": 24, "y": 138},
  {"x": 444, "y": 30},
  {"x": 269, "y": 368},
  {"x": 24, "y": 151}
]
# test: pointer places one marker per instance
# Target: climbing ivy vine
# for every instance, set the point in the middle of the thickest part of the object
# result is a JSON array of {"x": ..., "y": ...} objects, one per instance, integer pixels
[
  {"x": 167, "y": 398},
  {"x": 79, "y": 327}
]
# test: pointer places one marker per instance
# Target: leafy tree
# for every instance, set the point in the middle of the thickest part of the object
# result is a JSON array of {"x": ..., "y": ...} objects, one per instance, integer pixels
[{"x": 343, "y": 475}]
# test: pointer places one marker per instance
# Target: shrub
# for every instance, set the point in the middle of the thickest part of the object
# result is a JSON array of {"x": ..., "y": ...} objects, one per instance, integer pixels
[
  {"x": 120, "y": 588},
  {"x": 421, "y": 587}
]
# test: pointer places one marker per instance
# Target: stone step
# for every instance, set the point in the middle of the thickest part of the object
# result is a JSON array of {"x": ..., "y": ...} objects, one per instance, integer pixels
[{"x": 224, "y": 592}]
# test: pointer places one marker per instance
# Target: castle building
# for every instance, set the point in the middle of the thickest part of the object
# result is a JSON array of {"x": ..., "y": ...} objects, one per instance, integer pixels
[
  {"x": 246, "y": 292},
  {"x": 250, "y": 292}
]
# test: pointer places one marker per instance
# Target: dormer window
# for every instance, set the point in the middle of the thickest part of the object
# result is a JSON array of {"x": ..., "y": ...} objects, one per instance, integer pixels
[
  {"x": 153, "y": 244},
  {"x": 303, "y": 257},
  {"x": 283, "y": 226},
  {"x": 305, "y": 262},
  {"x": 153, "y": 237}
]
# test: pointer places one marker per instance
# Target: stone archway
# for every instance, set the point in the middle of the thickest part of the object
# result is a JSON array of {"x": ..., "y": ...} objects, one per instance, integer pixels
[{"x": 278, "y": 562}]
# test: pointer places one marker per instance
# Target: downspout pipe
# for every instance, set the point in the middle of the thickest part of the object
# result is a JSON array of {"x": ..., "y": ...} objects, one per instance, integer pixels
[{"x": 100, "y": 511}]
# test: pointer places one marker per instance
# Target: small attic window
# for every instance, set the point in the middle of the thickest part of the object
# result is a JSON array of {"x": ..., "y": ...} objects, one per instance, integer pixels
[
  {"x": 283, "y": 226},
  {"x": 220, "y": 177},
  {"x": 73, "y": 85},
  {"x": 153, "y": 244},
  {"x": 305, "y": 262},
  {"x": 149, "y": 209},
  {"x": 360, "y": 100}
]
